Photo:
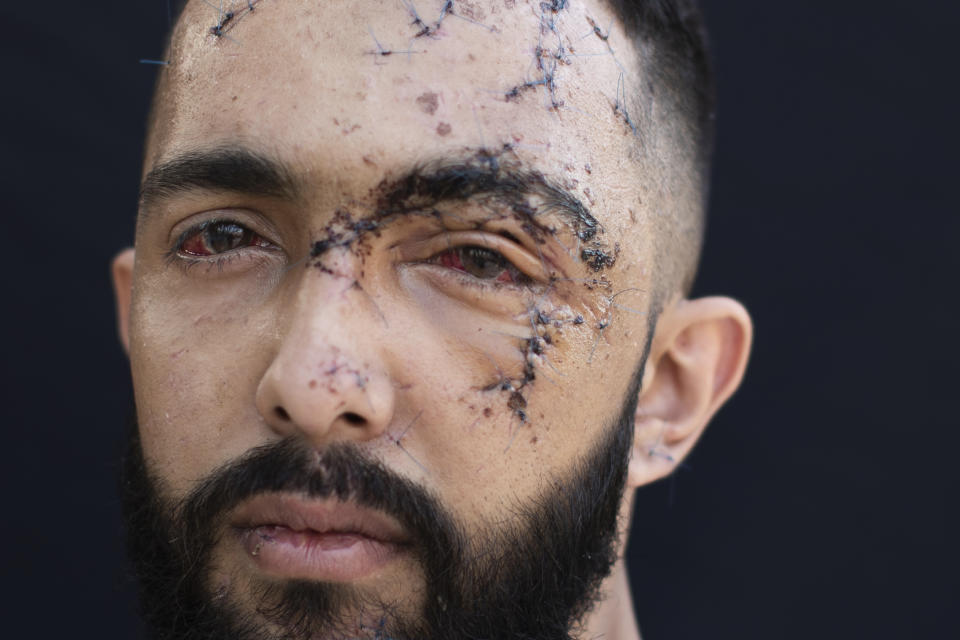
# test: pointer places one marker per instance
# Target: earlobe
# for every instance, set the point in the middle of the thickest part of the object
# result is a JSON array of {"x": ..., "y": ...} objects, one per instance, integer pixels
[
  {"x": 122, "y": 274},
  {"x": 696, "y": 362}
]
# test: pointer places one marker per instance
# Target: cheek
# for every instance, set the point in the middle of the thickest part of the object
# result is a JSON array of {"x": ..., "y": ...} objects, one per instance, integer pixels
[
  {"x": 195, "y": 376},
  {"x": 484, "y": 462},
  {"x": 469, "y": 441}
]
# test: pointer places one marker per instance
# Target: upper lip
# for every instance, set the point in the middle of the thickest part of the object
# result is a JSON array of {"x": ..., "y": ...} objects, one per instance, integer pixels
[{"x": 327, "y": 515}]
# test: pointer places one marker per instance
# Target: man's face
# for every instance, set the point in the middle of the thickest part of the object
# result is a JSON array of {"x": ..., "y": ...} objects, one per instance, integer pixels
[{"x": 415, "y": 244}]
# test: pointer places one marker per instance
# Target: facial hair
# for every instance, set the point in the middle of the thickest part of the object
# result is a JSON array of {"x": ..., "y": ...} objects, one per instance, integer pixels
[{"x": 534, "y": 579}]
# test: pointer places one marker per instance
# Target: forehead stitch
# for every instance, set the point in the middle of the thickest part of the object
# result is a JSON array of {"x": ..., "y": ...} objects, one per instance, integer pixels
[
  {"x": 423, "y": 29},
  {"x": 384, "y": 52},
  {"x": 427, "y": 29},
  {"x": 432, "y": 30},
  {"x": 227, "y": 17},
  {"x": 550, "y": 52},
  {"x": 545, "y": 58}
]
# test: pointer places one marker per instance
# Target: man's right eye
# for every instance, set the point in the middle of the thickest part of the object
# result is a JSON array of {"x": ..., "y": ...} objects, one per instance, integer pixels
[{"x": 218, "y": 236}]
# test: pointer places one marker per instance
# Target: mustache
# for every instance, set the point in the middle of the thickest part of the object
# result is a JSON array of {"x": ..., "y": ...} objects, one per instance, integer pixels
[
  {"x": 342, "y": 471},
  {"x": 532, "y": 575}
]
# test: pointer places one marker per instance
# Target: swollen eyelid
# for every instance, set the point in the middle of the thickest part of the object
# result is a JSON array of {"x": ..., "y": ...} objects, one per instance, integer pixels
[{"x": 481, "y": 263}]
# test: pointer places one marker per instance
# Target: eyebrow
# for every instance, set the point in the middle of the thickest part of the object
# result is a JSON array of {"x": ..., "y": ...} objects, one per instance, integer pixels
[
  {"x": 234, "y": 169},
  {"x": 241, "y": 170},
  {"x": 458, "y": 179}
]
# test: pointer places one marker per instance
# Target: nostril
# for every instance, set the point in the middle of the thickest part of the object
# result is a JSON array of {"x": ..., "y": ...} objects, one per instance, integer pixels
[
  {"x": 282, "y": 413},
  {"x": 354, "y": 419}
]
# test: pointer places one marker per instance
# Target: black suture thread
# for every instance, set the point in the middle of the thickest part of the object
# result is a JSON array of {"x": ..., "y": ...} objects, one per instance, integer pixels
[
  {"x": 554, "y": 6},
  {"x": 217, "y": 29},
  {"x": 547, "y": 73},
  {"x": 514, "y": 93},
  {"x": 447, "y": 8},
  {"x": 382, "y": 52},
  {"x": 222, "y": 18},
  {"x": 227, "y": 20},
  {"x": 425, "y": 29},
  {"x": 597, "y": 31},
  {"x": 620, "y": 106},
  {"x": 620, "y": 100},
  {"x": 598, "y": 259}
]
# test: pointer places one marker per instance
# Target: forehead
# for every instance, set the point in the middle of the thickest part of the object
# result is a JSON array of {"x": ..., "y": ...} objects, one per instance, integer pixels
[{"x": 355, "y": 84}]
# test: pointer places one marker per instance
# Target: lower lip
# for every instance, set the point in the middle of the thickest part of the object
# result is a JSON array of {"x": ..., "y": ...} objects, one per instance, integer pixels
[{"x": 332, "y": 557}]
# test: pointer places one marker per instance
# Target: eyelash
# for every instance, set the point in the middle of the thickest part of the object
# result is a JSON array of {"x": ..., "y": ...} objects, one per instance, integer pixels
[
  {"x": 220, "y": 260},
  {"x": 447, "y": 257}
]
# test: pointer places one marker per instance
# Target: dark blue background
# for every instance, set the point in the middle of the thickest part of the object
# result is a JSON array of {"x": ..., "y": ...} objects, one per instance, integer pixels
[{"x": 817, "y": 505}]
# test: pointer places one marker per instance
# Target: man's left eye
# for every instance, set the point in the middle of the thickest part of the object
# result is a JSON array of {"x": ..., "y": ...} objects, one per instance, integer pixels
[{"x": 481, "y": 263}]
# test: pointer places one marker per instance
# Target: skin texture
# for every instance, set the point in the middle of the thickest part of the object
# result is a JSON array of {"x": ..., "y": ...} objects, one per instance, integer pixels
[{"x": 376, "y": 341}]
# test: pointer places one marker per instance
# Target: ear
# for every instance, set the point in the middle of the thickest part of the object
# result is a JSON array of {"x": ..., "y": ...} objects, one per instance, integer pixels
[
  {"x": 697, "y": 359},
  {"x": 122, "y": 273}
]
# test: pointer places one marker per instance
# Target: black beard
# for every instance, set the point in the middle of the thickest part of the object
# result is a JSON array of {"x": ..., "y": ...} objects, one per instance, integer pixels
[{"x": 533, "y": 580}]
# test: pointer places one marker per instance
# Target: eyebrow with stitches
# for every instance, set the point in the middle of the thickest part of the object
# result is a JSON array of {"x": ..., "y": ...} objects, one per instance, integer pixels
[
  {"x": 454, "y": 179},
  {"x": 241, "y": 170}
]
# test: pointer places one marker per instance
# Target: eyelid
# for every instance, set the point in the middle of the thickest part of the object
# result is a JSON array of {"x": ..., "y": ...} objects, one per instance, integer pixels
[
  {"x": 520, "y": 257},
  {"x": 247, "y": 218},
  {"x": 251, "y": 255}
]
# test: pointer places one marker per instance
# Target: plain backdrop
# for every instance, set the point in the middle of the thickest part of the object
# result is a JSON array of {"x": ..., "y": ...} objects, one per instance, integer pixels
[{"x": 821, "y": 502}]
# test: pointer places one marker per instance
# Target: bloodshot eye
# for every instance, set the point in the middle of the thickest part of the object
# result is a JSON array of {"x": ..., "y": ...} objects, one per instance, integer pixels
[
  {"x": 481, "y": 263},
  {"x": 212, "y": 238}
]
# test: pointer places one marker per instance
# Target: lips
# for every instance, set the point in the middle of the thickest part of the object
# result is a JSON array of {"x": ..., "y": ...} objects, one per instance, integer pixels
[{"x": 329, "y": 540}]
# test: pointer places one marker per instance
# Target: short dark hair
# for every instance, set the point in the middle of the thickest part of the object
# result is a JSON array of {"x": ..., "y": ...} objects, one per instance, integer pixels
[
  {"x": 681, "y": 65},
  {"x": 676, "y": 72}
]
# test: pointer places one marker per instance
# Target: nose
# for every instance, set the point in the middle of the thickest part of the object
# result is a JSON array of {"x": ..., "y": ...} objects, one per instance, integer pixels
[{"x": 327, "y": 381}]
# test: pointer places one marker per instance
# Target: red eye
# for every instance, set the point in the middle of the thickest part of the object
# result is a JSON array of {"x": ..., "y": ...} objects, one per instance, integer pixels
[
  {"x": 217, "y": 237},
  {"x": 481, "y": 263}
]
